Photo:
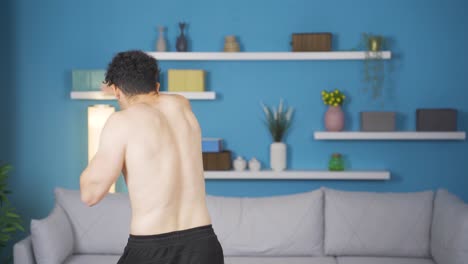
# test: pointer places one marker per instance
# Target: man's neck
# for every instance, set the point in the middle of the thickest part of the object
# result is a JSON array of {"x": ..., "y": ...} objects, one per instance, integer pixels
[{"x": 149, "y": 98}]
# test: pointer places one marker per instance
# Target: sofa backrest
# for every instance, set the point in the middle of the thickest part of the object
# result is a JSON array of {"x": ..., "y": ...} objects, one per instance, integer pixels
[
  {"x": 101, "y": 229},
  {"x": 449, "y": 243},
  {"x": 289, "y": 225},
  {"x": 378, "y": 224}
]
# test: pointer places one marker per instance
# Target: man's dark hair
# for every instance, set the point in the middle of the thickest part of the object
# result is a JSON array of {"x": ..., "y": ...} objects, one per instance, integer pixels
[{"x": 133, "y": 72}]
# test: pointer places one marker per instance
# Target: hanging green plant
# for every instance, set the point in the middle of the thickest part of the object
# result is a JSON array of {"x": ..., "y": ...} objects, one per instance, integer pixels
[
  {"x": 10, "y": 221},
  {"x": 374, "y": 65}
]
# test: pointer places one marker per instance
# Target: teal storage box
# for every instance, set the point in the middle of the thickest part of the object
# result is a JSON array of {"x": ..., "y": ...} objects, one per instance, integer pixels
[{"x": 87, "y": 80}]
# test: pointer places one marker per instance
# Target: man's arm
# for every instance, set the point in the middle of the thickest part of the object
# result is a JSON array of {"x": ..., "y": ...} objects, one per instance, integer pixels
[{"x": 105, "y": 167}]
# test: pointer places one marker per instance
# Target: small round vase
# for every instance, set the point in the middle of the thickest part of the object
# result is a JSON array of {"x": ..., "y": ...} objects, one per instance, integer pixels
[
  {"x": 254, "y": 165},
  {"x": 239, "y": 164},
  {"x": 334, "y": 119}
]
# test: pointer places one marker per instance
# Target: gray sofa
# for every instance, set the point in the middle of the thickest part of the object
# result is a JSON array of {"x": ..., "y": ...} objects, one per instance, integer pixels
[{"x": 319, "y": 227}]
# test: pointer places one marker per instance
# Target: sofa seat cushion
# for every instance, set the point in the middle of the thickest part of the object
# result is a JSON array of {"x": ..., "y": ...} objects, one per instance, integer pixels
[
  {"x": 92, "y": 259},
  {"x": 279, "y": 260},
  {"x": 376, "y": 260},
  {"x": 101, "y": 229},
  {"x": 378, "y": 224},
  {"x": 287, "y": 225}
]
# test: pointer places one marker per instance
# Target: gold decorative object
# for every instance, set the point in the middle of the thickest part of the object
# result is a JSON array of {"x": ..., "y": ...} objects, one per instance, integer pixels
[{"x": 231, "y": 44}]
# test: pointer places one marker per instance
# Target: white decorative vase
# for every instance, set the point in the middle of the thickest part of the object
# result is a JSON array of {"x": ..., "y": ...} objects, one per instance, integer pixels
[
  {"x": 161, "y": 44},
  {"x": 278, "y": 156}
]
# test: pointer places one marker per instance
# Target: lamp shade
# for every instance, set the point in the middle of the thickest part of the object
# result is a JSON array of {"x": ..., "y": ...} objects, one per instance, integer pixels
[{"x": 97, "y": 117}]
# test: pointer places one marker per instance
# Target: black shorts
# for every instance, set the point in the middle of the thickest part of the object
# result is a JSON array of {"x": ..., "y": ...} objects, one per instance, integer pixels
[{"x": 197, "y": 245}]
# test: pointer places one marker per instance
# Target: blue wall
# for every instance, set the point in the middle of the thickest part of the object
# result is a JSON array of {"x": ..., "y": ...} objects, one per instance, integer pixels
[
  {"x": 53, "y": 37},
  {"x": 6, "y": 94},
  {"x": 6, "y": 80}
]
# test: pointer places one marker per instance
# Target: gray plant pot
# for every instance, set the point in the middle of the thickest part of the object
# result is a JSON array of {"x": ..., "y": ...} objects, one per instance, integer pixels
[{"x": 378, "y": 121}]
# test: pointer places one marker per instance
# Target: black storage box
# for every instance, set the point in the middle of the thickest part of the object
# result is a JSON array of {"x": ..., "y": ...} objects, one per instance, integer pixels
[{"x": 436, "y": 119}]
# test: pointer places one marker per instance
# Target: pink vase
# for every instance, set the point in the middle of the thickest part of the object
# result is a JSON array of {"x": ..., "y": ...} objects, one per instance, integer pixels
[{"x": 334, "y": 119}]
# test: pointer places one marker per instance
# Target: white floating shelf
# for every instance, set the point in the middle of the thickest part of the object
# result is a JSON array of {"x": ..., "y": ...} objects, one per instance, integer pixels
[
  {"x": 298, "y": 175},
  {"x": 269, "y": 56},
  {"x": 97, "y": 95},
  {"x": 402, "y": 135}
]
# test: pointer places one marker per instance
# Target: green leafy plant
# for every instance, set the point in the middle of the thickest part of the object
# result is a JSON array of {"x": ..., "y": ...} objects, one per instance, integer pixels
[
  {"x": 333, "y": 98},
  {"x": 278, "y": 121},
  {"x": 10, "y": 221},
  {"x": 374, "y": 65}
]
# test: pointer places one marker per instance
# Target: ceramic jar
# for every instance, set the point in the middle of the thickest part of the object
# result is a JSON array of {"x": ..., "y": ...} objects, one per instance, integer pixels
[
  {"x": 254, "y": 165},
  {"x": 239, "y": 164}
]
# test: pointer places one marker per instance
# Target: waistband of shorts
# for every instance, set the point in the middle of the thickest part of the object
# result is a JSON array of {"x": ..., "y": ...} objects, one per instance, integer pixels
[{"x": 191, "y": 233}]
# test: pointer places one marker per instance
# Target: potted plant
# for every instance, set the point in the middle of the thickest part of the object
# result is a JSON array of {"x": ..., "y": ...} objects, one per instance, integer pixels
[
  {"x": 374, "y": 66},
  {"x": 10, "y": 221},
  {"x": 334, "y": 116},
  {"x": 278, "y": 122}
]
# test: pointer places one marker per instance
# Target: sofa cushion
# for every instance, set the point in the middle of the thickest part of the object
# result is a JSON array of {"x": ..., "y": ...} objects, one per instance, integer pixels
[
  {"x": 279, "y": 260},
  {"x": 372, "y": 260},
  {"x": 377, "y": 224},
  {"x": 23, "y": 252},
  {"x": 101, "y": 229},
  {"x": 288, "y": 225},
  {"x": 92, "y": 259},
  {"x": 449, "y": 242},
  {"x": 52, "y": 237}
]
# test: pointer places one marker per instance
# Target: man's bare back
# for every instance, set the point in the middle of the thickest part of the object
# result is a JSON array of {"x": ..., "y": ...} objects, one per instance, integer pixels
[
  {"x": 155, "y": 140},
  {"x": 164, "y": 168},
  {"x": 158, "y": 140}
]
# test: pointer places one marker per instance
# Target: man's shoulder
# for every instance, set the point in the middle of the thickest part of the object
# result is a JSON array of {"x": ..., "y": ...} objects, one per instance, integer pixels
[
  {"x": 117, "y": 120},
  {"x": 118, "y": 116},
  {"x": 177, "y": 99}
]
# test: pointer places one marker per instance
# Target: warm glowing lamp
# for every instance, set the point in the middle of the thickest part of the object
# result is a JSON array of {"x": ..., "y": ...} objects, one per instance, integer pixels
[{"x": 97, "y": 117}]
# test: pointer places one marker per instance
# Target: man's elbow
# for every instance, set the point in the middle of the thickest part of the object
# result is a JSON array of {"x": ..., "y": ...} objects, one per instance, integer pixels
[
  {"x": 87, "y": 196},
  {"x": 88, "y": 199}
]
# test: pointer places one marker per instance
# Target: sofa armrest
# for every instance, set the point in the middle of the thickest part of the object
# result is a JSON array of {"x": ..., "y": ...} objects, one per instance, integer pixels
[
  {"x": 23, "y": 252},
  {"x": 449, "y": 241},
  {"x": 53, "y": 239}
]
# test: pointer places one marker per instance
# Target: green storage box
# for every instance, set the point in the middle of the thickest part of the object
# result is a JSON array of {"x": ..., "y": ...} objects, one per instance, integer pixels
[{"x": 87, "y": 80}]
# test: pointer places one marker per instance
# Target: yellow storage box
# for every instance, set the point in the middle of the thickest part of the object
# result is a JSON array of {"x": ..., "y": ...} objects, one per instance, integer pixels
[{"x": 186, "y": 80}]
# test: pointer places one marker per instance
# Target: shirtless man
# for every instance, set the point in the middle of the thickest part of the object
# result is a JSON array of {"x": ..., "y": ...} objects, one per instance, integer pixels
[{"x": 156, "y": 142}]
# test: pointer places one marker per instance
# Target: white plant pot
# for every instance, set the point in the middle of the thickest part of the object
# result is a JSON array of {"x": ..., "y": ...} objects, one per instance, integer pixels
[{"x": 278, "y": 156}]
